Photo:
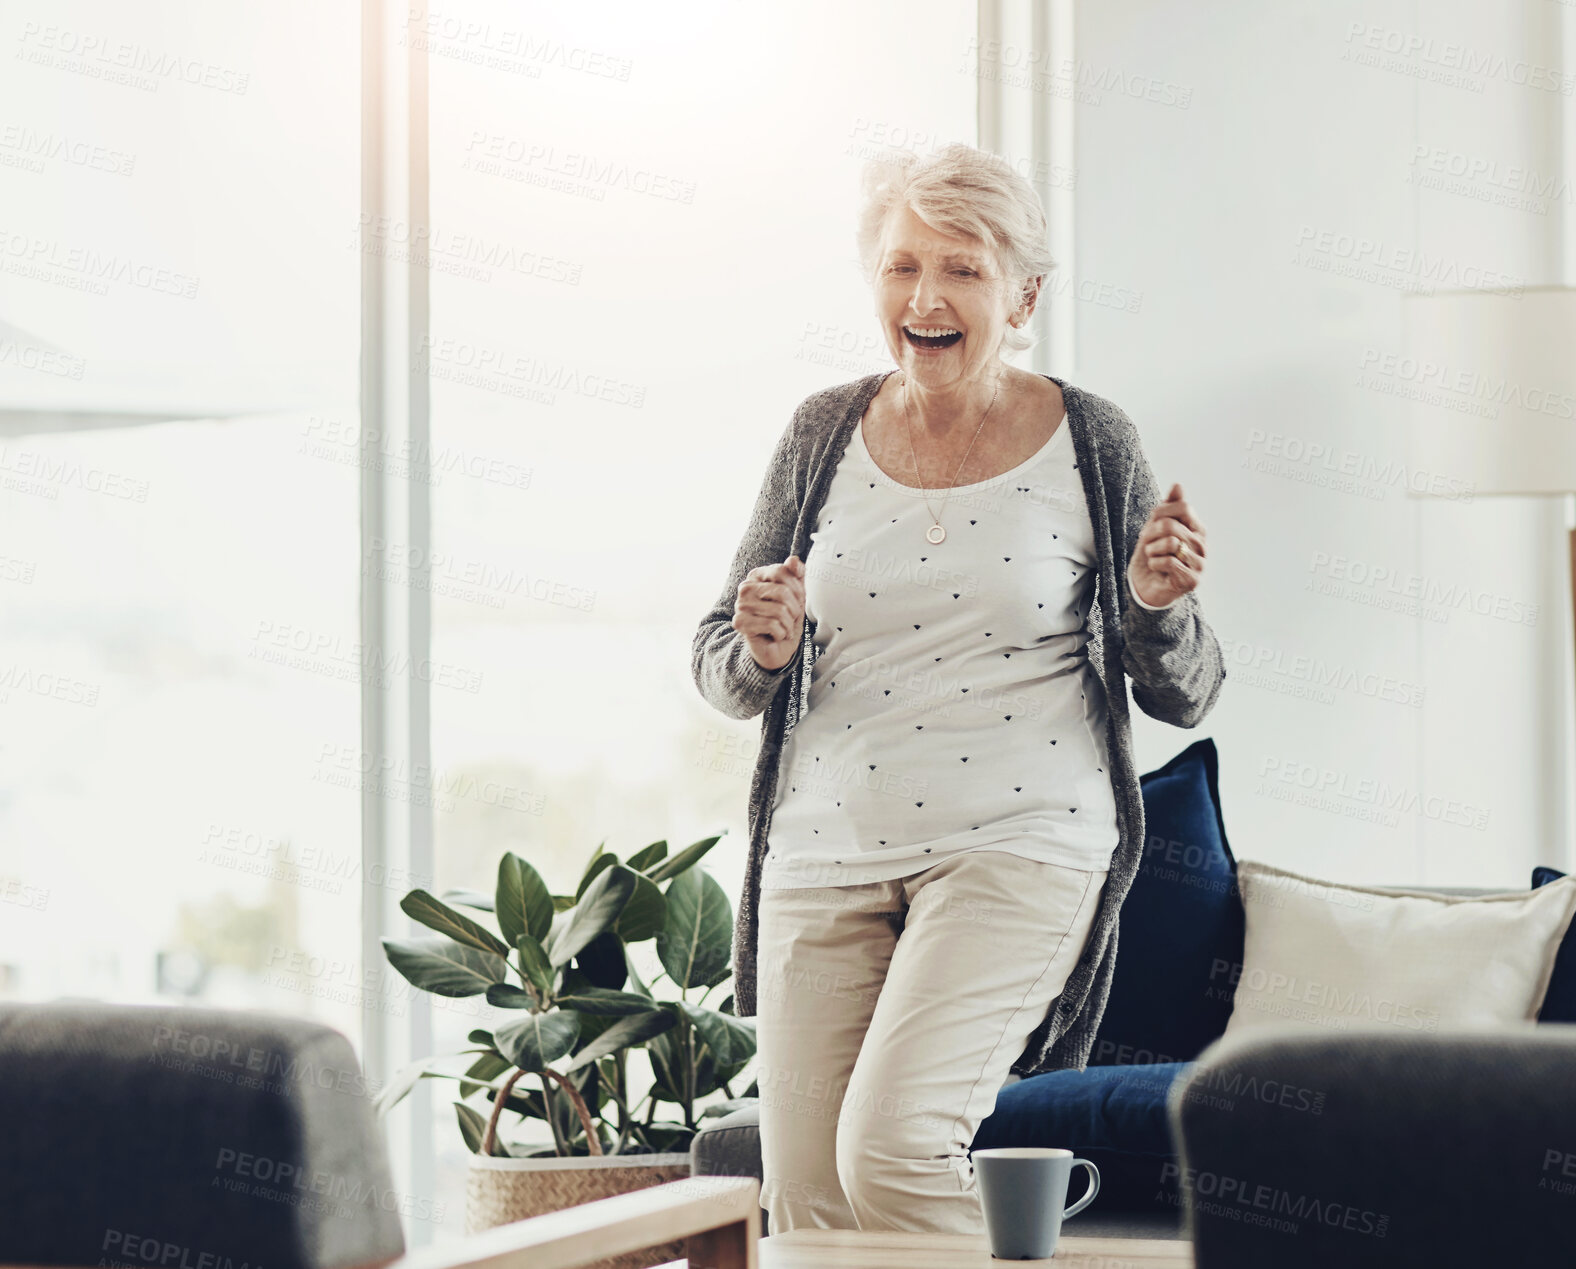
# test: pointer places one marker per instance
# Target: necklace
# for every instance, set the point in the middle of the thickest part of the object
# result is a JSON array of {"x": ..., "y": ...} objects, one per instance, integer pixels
[{"x": 936, "y": 533}]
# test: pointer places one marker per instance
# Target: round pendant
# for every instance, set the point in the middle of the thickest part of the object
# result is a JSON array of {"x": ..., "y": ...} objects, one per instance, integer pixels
[{"x": 935, "y": 533}]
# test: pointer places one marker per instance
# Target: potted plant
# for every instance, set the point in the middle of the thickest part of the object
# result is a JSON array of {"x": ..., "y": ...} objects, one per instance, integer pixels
[{"x": 561, "y": 965}]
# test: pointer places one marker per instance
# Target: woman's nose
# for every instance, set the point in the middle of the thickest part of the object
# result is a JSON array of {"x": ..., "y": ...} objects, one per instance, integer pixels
[{"x": 926, "y": 290}]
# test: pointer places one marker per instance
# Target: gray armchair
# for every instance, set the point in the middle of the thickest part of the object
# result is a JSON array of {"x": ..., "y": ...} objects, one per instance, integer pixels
[
  {"x": 1368, "y": 1149},
  {"x": 132, "y": 1132},
  {"x": 183, "y": 1138}
]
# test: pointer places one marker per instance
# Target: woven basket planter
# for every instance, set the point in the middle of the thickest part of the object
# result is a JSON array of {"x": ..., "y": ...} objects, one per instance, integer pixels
[{"x": 500, "y": 1191}]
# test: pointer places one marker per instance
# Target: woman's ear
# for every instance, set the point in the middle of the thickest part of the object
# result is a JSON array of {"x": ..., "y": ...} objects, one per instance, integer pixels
[{"x": 1031, "y": 296}]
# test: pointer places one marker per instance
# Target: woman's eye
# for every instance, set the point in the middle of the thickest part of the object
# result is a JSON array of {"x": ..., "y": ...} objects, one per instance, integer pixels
[{"x": 908, "y": 268}]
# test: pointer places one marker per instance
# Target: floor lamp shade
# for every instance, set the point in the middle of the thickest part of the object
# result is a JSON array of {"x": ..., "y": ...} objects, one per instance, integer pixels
[{"x": 1491, "y": 378}]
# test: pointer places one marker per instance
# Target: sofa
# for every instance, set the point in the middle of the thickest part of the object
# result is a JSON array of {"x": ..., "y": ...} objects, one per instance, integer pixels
[{"x": 1162, "y": 1034}]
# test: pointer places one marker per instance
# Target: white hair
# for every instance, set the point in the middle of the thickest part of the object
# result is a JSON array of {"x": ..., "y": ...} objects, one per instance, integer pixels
[{"x": 966, "y": 192}]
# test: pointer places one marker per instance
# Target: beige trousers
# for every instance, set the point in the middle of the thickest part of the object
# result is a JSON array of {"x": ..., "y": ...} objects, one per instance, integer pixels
[{"x": 888, "y": 1017}]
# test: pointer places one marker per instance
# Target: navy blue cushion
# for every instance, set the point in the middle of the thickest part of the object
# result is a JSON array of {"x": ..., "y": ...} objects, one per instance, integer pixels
[
  {"x": 1114, "y": 1116},
  {"x": 1560, "y": 1003},
  {"x": 1180, "y": 930}
]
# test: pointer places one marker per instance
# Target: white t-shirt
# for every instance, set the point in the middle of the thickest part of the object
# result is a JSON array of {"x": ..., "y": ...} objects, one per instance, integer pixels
[{"x": 952, "y": 706}]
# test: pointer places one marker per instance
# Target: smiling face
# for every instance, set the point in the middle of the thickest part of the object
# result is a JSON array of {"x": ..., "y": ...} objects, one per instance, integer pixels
[{"x": 942, "y": 300}]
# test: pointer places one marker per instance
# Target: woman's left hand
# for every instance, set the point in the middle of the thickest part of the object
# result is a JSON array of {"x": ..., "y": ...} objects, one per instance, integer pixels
[{"x": 1169, "y": 557}]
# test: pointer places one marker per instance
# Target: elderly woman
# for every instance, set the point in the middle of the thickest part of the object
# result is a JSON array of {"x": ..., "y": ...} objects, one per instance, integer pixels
[{"x": 948, "y": 571}]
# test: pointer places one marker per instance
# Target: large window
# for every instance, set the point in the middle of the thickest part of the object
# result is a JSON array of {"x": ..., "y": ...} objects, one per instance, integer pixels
[
  {"x": 651, "y": 262},
  {"x": 640, "y": 241},
  {"x": 179, "y": 678}
]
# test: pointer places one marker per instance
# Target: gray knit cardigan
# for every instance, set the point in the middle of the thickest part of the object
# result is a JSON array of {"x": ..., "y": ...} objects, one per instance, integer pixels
[{"x": 1171, "y": 654}]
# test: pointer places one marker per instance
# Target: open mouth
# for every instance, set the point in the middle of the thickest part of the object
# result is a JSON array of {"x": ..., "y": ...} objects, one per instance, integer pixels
[{"x": 932, "y": 337}]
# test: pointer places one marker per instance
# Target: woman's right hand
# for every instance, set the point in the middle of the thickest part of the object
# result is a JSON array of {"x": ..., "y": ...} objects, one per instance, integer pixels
[{"x": 770, "y": 611}]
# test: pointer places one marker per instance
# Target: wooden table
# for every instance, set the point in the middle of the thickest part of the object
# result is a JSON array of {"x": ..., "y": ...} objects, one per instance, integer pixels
[
  {"x": 720, "y": 1219},
  {"x": 857, "y": 1249}
]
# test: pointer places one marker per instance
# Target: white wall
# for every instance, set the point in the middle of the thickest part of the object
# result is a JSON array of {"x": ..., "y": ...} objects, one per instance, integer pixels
[{"x": 1246, "y": 331}]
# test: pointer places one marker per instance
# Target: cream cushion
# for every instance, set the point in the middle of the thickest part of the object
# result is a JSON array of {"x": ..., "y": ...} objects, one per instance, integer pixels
[{"x": 1323, "y": 957}]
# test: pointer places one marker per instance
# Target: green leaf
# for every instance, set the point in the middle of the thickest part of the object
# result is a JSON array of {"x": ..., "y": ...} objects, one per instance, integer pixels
[
  {"x": 634, "y": 976},
  {"x": 489, "y": 1066},
  {"x": 575, "y": 982},
  {"x": 602, "y": 960},
  {"x": 597, "y": 910},
  {"x": 444, "y": 967},
  {"x": 521, "y": 1100},
  {"x": 405, "y": 1079},
  {"x": 646, "y": 912},
  {"x": 711, "y": 980},
  {"x": 708, "y": 1078},
  {"x": 538, "y": 1040},
  {"x": 469, "y": 898},
  {"x": 480, "y": 1036},
  {"x": 600, "y": 1000},
  {"x": 495, "y": 1084},
  {"x": 697, "y": 940},
  {"x": 667, "y": 1062},
  {"x": 508, "y": 996},
  {"x": 439, "y": 916},
  {"x": 643, "y": 859},
  {"x": 588, "y": 1081},
  {"x": 563, "y": 902},
  {"x": 535, "y": 966},
  {"x": 526, "y": 1104},
  {"x": 524, "y": 906},
  {"x": 689, "y": 855},
  {"x": 473, "y": 1127},
  {"x": 671, "y": 1138},
  {"x": 730, "y": 1039},
  {"x": 635, "y": 1029},
  {"x": 599, "y": 861}
]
